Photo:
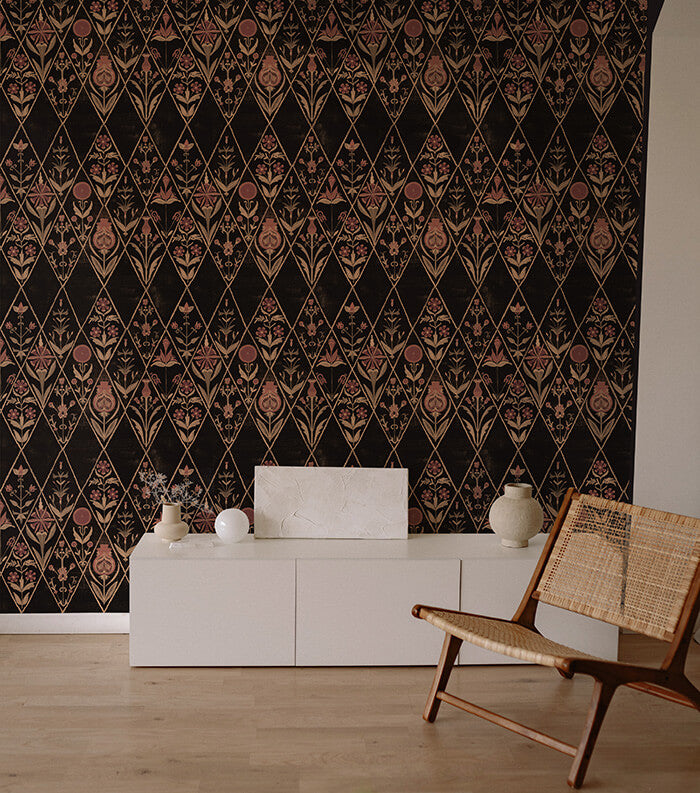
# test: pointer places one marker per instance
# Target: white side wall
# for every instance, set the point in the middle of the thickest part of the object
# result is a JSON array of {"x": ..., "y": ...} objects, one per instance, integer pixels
[
  {"x": 667, "y": 454},
  {"x": 667, "y": 458}
]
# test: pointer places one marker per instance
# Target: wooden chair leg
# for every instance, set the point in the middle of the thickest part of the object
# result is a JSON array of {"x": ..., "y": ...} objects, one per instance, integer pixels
[
  {"x": 690, "y": 691},
  {"x": 450, "y": 648},
  {"x": 602, "y": 695}
]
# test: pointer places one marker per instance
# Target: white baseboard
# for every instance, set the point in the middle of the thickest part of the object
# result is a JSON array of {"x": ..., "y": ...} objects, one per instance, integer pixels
[
  {"x": 79, "y": 623},
  {"x": 64, "y": 623}
]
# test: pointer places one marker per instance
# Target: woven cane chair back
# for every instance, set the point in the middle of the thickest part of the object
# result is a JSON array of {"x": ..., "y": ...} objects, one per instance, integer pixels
[{"x": 626, "y": 565}]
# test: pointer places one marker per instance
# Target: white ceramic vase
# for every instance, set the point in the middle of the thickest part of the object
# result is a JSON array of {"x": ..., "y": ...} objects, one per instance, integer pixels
[
  {"x": 171, "y": 526},
  {"x": 232, "y": 525},
  {"x": 516, "y": 517}
]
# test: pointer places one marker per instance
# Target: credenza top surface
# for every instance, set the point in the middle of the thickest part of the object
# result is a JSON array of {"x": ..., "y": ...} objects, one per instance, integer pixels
[{"x": 417, "y": 546}]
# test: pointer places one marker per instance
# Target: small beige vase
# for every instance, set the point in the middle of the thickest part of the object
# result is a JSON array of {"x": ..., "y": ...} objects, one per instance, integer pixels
[
  {"x": 516, "y": 517},
  {"x": 171, "y": 527}
]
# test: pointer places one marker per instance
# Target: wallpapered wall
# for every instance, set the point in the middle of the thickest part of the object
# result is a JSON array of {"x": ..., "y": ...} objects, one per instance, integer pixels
[{"x": 330, "y": 233}]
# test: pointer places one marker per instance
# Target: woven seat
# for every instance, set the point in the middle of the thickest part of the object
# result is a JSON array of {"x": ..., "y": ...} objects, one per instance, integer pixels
[
  {"x": 501, "y": 636},
  {"x": 633, "y": 567}
]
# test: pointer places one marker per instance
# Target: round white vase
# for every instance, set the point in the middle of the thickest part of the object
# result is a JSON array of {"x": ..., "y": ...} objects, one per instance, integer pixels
[
  {"x": 516, "y": 517},
  {"x": 231, "y": 525},
  {"x": 171, "y": 526}
]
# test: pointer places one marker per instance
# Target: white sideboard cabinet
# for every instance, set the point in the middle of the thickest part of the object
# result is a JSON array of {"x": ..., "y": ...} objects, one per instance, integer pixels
[{"x": 282, "y": 602}]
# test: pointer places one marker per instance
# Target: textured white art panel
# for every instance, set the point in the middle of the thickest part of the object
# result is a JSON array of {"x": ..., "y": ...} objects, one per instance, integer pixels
[{"x": 363, "y": 503}]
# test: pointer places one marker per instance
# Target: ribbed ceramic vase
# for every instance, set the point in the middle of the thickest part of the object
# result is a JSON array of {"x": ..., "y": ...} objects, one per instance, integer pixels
[
  {"x": 516, "y": 517},
  {"x": 171, "y": 526}
]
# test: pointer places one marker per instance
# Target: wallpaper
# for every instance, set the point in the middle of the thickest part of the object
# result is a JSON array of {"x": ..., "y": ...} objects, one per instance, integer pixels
[{"x": 340, "y": 232}]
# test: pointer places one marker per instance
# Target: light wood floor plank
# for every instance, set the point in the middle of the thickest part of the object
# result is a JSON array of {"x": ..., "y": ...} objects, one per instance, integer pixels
[{"x": 76, "y": 718}]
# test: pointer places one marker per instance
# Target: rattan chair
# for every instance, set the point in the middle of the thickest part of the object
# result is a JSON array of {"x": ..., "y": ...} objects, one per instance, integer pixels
[{"x": 633, "y": 567}]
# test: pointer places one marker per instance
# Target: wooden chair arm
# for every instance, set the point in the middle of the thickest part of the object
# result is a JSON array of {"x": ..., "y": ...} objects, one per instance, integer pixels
[{"x": 616, "y": 673}]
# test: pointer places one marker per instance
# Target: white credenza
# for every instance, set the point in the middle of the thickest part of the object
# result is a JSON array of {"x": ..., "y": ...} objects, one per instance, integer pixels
[{"x": 329, "y": 602}]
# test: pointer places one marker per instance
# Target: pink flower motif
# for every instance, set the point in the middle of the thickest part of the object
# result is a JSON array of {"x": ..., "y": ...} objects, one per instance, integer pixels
[
  {"x": 104, "y": 238},
  {"x": 413, "y": 28},
  {"x": 103, "y": 563},
  {"x": 41, "y": 33},
  {"x": 372, "y": 32},
  {"x": 435, "y": 75},
  {"x": 434, "y": 305},
  {"x": 82, "y": 516},
  {"x": 103, "y": 142},
  {"x": 435, "y": 401},
  {"x": 372, "y": 194},
  {"x": 269, "y": 238},
  {"x": 247, "y": 28},
  {"x": 269, "y": 305},
  {"x": 330, "y": 358},
  {"x": 538, "y": 195},
  {"x": 538, "y": 32},
  {"x": 103, "y": 305},
  {"x": 81, "y": 28},
  {"x": 186, "y": 387},
  {"x": 601, "y": 402},
  {"x": 269, "y": 75},
  {"x": 600, "y": 305},
  {"x": 20, "y": 387},
  {"x": 435, "y": 238},
  {"x": 269, "y": 400},
  {"x": 41, "y": 194},
  {"x": 19, "y": 60},
  {"x": 186, "y": 61},
  {"x": 578, "y": 191},
  {"x": 579, "y": 28},
  {"x": 206, "y": 33},
  {"x": 206, "y": 195},
  {"x": 601, "y": 75},
  {"x": 247, "y": 353},
  {"x": 601, "y": 238},
  {"x": 434, "y": 468},
  {"x": 206, "y": 357},
  {"x": 104, "y": 75},
  {"x": 247, "y": 191},
  {"x": 104, "y": 400},
  {"x": 600, "y": 468},
  {"x": 40, "y": 357},
  {"x": 352, "y": 386},
  {"x": 517, "y": 224},
  {"x": 517, "y": 61},
  {"x": 578, "y": 353},
  {"x": 372, "y": 358},
  {"x": 81, "y": 191},
  {"x": 538, "y": 358}
]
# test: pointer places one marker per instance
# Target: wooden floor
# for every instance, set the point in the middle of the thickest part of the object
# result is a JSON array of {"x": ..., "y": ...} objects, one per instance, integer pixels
[{"x": 74, "y": 717}]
